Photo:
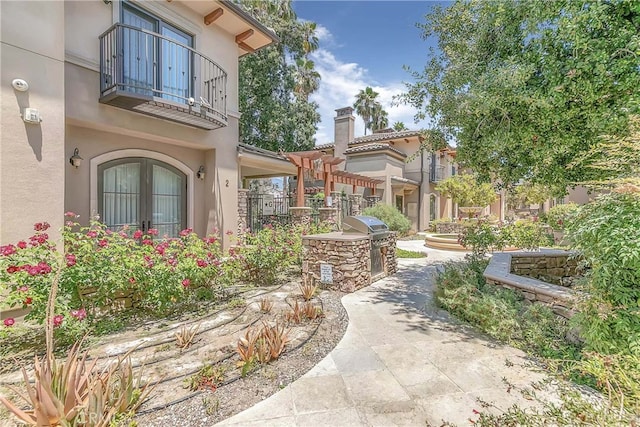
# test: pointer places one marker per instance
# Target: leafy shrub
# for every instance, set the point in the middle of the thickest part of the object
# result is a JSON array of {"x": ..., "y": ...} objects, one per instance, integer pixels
[
  {"x": 98, "y": 266},
  {"x": 482, "y": 238},
  {"x": 391, "y": 216},
  {"x": 559, "y": 215},
  {"x": 501, "y": 313},
  {"x": 525, "y": 235},
  {"x": 607, "y": 234}
]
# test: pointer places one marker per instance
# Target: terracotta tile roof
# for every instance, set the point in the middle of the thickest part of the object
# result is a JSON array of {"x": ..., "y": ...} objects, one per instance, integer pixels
[
  {"x": 386, "y": 136},
  {"x": 380, "y": 136},
  {"x": 373, "y": 147},
  {"x": 324, "y": 146}
]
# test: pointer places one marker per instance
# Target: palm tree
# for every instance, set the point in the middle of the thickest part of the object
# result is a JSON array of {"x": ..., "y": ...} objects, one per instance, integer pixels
[
  {"x": 307, "y": 78},
  {"x": 379, "y": 119},
  {"x": 310, "y": 41},
  {"x": 399, "y": 127},
  {"x": 365, "y": 105}
]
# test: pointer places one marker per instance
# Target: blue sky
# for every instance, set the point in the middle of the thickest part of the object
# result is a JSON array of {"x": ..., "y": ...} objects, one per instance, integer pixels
[{"x": 365, "y": 43}]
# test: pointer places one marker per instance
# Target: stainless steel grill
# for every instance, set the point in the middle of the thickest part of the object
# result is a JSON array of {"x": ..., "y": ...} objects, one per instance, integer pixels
[{"x": 376, "y": 229}]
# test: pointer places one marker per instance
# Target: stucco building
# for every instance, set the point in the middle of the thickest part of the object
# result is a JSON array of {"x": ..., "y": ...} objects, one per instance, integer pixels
[
  {"x": 409, "y": 174},
  {"x": 144, "y": 92}
]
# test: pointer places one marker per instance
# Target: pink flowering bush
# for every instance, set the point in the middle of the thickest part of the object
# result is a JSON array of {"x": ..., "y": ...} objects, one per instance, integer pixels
[
  {"x": 260, "y": 257},
  {"x": 100, "y": 266}
]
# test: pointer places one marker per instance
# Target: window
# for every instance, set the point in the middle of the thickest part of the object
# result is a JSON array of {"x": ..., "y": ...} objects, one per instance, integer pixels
[
  {"x": 400, "y": 203},
  {"x": 432, "y": 207},
  {"x": 156, "y": 65},
  {"x": 142, "y": 193}
]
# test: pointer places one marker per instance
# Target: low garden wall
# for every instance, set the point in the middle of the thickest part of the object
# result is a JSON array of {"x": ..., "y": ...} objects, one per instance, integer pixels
[
  {"x": 450, "y": 228},
  {"x": 343, "y": 261},
  {"x": 506, "y": 269},
  {"x": 558, "y": 267}
]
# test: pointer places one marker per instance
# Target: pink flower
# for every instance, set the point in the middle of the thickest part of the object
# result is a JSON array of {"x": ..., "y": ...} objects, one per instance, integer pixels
[
  {"x": 201, "y": 263},
  {"x": 22, "y": 244},
  {"x": 41, "y": 226},
  {"x": 132, "y": 280},
  {"x": 137, "y": 234},
  {"x": 12, "y": 269},
  {"x": 69, "y": 223},
  {"x": 148, "y": 242},
  {"x": 160, "y": 249},
  {"x": 92, "y": 234},
  {"x": 123, "y": 234},
  {"x": 28, "y": 301},
  {"x": 9, "y": 321},
  {"x": 153, "y": 232},
  {"x": 71, "y": 260},
  {"x": 44, "y": 267},
  {"x": 7, "y": 250},
  {"x": 103, "y": 243},
  {"x": 229, "y": 233},
  {"x": 23, "y": 288},
  {"x": 79, "y": 314},
  {"x": 186, "y": 283},
  {"x": 70, "y": 214},
  {"x": 186, "y": 232},
  {"x": 57, "y": 320}
]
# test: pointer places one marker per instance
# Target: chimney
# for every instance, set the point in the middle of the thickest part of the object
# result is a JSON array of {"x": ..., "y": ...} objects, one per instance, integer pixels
[{"x": 344, "y": 124}]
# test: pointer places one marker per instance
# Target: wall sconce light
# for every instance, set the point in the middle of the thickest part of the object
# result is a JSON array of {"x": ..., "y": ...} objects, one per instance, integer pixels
[
  {"x": 75, "y": 160},
  {"x": 200, "y": 173}
]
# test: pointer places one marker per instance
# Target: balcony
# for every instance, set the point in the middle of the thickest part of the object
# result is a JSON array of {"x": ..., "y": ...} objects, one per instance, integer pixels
[
  {"x": 437, "y": 173},
  {"x": 148, "y": 73}
]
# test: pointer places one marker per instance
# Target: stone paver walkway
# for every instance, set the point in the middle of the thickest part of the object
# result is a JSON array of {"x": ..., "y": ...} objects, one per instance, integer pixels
[{"x": 402, "y": 361}]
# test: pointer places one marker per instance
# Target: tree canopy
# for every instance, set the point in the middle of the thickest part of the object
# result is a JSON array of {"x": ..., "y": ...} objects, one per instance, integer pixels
[
  {"x": 525, "y": 88},
  {"x": 275, "y": 82},
  {"x": 466, "y": 190},
  {"x": 369, "y": 108}
]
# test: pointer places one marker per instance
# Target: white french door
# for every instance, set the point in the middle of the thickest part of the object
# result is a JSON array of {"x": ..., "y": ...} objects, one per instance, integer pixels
[{"x": 142, "y": 194}]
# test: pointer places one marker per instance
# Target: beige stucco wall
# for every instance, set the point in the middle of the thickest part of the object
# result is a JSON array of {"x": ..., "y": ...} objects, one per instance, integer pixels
[
  {"x": 96, "y": 128},
  {"x": 31, "y": 156}
]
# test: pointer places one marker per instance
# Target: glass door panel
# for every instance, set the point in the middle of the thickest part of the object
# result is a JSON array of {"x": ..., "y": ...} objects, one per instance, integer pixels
[
  {"x": 121, "y": 196},
  {"x": 167, "y": 201},
  {"x": 176, "y": 64},
  {"x": 139, "y": 51}
]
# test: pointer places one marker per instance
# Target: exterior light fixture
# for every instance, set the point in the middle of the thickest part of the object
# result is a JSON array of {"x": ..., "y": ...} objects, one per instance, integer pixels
[
  {"x": 75, "y": 160},
  {"x": 200, "y": 173}
]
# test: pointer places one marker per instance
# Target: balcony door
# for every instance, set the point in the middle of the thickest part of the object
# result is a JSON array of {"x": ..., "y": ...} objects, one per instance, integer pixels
[
  {"x": 156, "y": 66},
  {"x": 142, "y": 194}
]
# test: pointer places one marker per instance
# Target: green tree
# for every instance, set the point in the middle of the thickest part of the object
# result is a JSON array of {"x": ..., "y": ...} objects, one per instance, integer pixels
[
  {"x": 466, "y": 190},
  {"x": 526, "y": 87},
  {"x": 366, "y": 105},
  {"x": 380, "y": 118},
  {"x": 399, "y": 126},
  {"x": 528, "y": 194},
  {"x": 275, "y": 82}
]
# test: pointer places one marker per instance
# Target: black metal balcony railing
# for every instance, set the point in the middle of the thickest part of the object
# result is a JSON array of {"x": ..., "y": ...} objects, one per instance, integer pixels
[
  {"x": 437, "y": 173},
  {"x": 152, "y": 74}
]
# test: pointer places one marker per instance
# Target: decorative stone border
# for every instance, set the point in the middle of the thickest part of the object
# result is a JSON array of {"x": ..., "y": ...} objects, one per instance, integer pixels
[{"x": 559, "y": 298}]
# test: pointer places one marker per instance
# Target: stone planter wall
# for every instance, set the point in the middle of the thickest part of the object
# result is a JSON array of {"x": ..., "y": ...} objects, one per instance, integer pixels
[
  {"x": 557, "y": 268},
  {"x": 499, "y": 273},
  {"x": 349, "y": 256},
  {"x": 449, "y": 228}
]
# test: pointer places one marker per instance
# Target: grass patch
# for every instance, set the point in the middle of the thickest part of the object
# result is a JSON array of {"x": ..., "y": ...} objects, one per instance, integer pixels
[{"x": 402, "y": 253}]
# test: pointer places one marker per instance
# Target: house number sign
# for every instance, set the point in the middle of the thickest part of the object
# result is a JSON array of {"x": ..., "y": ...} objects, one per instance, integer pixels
[
  {"x": 326, "y": 273},
  {"x": 267, "y": 204}
]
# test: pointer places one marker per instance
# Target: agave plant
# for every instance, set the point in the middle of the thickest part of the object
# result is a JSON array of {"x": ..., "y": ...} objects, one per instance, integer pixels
[
  {"x": 74, "y": 392},
  {"x": 185, "y": 337}
]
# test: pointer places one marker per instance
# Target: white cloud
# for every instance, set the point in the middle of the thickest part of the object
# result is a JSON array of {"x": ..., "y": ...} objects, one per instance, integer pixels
[{"x": 340, "y": 83}]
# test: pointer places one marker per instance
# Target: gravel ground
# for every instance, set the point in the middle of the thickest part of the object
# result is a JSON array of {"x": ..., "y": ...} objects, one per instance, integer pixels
[{"x": 210, "y": 407}]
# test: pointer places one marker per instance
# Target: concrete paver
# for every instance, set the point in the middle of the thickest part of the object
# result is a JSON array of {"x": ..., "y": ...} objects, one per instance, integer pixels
[{"x": 402, "y": 361}]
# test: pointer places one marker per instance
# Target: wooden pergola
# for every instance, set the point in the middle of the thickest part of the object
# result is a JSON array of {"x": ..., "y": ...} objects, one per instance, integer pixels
[{"x": 306, "y": 161}]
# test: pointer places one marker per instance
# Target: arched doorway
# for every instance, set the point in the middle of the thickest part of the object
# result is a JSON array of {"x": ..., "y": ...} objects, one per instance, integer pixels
[{"x": 142, "y": 193}]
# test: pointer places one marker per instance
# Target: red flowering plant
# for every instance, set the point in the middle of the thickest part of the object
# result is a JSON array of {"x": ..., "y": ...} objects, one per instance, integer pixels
[{"x": 99, "y": 267}]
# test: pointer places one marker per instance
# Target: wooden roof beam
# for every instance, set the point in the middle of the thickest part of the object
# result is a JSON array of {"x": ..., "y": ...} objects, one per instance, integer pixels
[
  {"x": 246, "y": 47},
  {"x": 244, "y": 35},
  {"x": 213, "y": 16}
]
